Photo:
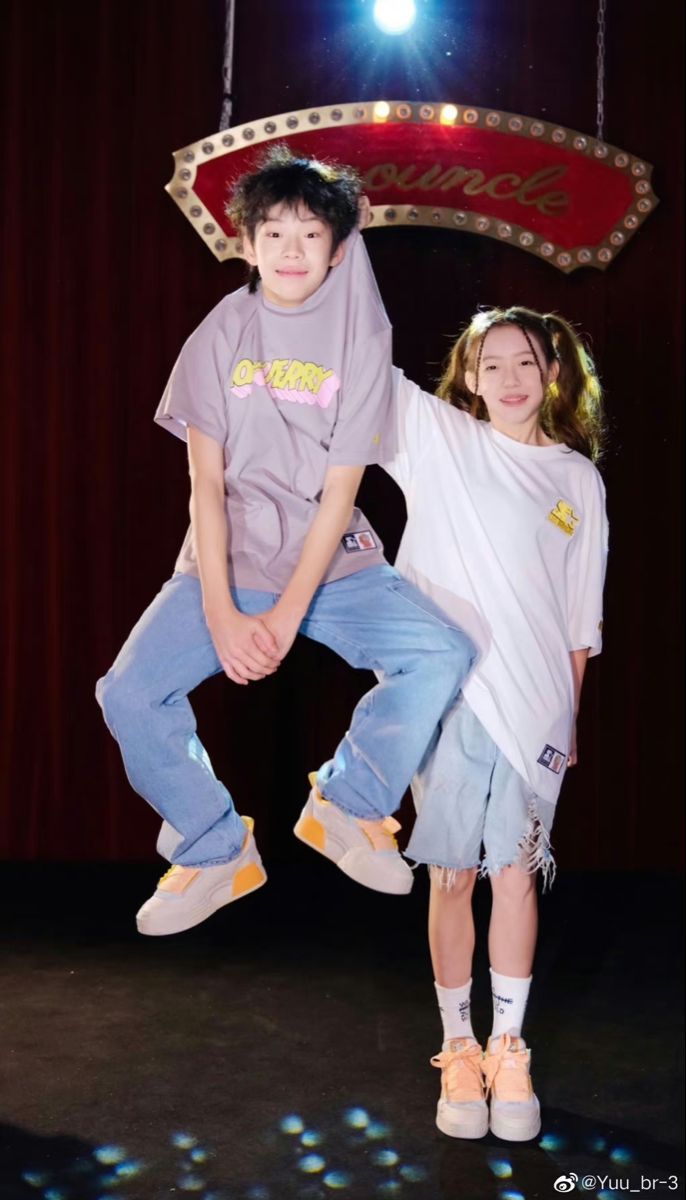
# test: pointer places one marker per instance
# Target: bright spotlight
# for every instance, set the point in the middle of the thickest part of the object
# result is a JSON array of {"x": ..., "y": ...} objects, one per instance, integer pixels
[
  {"x": 395, "y": 16},
  {"x": 448, "y": 114},
  {"x": 382, "y": 110}
]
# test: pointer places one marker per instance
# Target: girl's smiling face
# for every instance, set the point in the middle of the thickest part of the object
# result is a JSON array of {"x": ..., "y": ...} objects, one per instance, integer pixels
[{"x": 511, "y": 380}]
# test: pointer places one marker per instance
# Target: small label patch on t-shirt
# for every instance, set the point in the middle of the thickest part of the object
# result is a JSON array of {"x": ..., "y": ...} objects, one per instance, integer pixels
[
  {"x": 363, "y": 540},
  {"x": 552, "y": 759}
]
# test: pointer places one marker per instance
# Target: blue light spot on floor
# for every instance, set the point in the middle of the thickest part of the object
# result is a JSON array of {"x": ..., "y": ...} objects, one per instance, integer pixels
[
  {"x": 356, "y": 1118},
  {"x": 199, "y": 1156},
  {"x": 190, "y": 1183},
  {"x": 311, "y": 1164},
  {"x": 621, "y": 1156},
  {"x": 110, "y": 1154},
  {"x": 386, "y": 1158},
  {"x": 184, "y": 1141},
  {"x": 412, "y": 1174},
  {"x": 510, "y": 1195},
  {"x": 34, "y": 1179},
  {"x": 390, "y": 1187},
  {"x": 109, "y": 1181},
  {"x": 311, "y": 1138},
  {"x": 376, "y": 1131},
  {"x": 128, "y": 1170},
  {"x": 552, "y": 1142},
  {"x": 55, "y": 1194},
  {"x": 598, "y": 1145},
  {"x": 258, "y": 1192},
  {"x": 336, "y": 1180},
  {"x": 501, "y": 1168},
  {"x": 292, "y": 1124},
  {"x": 606, "y": 1195}
]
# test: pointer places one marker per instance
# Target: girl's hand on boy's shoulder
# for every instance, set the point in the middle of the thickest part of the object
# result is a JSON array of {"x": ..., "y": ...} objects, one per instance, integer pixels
[
  {"x": 364, "y": 212},
  {"x": 245, "y": 647}
]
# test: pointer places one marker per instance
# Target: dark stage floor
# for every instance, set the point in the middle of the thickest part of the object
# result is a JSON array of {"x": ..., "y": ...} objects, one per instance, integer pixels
[{"x": 281, "y": 1050}]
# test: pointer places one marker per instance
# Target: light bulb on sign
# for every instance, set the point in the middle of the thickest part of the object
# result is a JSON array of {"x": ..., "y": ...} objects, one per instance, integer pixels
[{"x": 395, "y": 16}]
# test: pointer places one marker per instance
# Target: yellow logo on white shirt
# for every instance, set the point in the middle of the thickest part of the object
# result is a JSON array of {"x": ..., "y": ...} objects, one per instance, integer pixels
[{"x": 564, "y": 517}]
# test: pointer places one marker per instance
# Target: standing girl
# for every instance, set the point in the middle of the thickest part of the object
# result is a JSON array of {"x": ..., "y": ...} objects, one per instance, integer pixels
[{"x": 507, "y": 532}]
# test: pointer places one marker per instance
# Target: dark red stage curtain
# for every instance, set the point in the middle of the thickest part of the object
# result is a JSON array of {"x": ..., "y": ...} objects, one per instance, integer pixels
[{"x": 102, "y": 280}]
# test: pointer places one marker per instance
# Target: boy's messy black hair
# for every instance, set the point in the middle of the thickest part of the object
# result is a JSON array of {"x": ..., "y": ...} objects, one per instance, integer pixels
[{"x": 330, "y": 191}]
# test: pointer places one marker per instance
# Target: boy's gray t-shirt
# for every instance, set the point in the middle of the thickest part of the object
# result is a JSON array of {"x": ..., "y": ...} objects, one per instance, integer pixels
[{"x": 287, "y": 392}]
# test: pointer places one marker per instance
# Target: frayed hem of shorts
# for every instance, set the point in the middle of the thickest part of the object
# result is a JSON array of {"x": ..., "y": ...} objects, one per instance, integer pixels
[
  {"x": 534, "y": 852},
  {"x": 445, "y": 878}
]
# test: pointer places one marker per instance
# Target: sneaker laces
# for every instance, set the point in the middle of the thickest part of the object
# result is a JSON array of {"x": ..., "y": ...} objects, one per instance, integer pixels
[
  {"x": 511, "y": 1055},
  {"x": 461, "y": 1072},
  {"x": 380, "y": 833},
  {"x": 169, "y": 873},
  {"x": 177, "y": 878}
]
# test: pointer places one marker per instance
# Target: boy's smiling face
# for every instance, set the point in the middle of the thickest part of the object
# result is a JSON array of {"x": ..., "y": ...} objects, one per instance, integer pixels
[{"x": 291, "y": 249}]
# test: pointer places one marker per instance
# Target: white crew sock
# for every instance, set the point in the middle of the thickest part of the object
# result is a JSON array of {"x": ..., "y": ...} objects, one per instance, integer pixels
[
  {"x": 509, "y": 1003},
  {"x": 454, "y": 1006}
]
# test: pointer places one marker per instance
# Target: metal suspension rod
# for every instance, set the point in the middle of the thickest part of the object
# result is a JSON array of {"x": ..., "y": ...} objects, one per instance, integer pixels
[
  {"x": 600, "y": 69},
  {"x": 227, "y": 69}
]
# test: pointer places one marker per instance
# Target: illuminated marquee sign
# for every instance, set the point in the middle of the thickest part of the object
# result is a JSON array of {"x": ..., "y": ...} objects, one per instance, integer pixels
[{"x": 562, "y": 195}]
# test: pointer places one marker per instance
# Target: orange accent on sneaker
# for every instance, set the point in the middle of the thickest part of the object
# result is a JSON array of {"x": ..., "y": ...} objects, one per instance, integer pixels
[
  {"x": 247, "y": 879},
  {"x": 177, "y": 879},
  {"x": 461, "y": 1071},
  {"x": 380, "y": 833},
  {"x": 312, "y": 831},
  {"x": 506, "y": 1070}
]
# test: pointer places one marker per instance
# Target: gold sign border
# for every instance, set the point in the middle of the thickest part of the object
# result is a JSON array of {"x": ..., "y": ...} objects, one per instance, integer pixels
[{"x": 404, "y": 112}]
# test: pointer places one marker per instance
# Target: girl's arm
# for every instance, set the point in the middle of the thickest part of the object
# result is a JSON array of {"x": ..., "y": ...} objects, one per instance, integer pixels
[
  {"x": 411, "y": 430},
  {"x": 245, "y": 647},
  {"x": 579, "y": 658},
  {"x": 330, "y": 523}
]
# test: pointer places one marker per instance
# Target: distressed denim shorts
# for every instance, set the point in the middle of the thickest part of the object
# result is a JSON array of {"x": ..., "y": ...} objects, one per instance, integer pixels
[{"x": 473, "y": 809}]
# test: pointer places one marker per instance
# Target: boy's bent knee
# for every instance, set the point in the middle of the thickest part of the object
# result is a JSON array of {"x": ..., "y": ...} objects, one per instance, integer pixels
[
  {"x": 102, "y": 690},
  {"x": 462, "y": 649},
  {"x": 449, "y": 668},
  {"x": 119, "y": 702}
]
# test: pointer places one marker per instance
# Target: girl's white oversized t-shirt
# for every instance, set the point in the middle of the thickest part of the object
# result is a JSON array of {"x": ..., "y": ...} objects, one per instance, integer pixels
[{"x": 511, "y": 541}]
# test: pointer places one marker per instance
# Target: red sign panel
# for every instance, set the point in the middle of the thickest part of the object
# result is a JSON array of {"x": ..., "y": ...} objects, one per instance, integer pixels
[{"x": 559, "y": 194}]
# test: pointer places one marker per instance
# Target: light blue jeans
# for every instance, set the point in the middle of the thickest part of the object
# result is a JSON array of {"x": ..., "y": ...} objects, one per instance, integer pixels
[{"x": 374, "y": 619}]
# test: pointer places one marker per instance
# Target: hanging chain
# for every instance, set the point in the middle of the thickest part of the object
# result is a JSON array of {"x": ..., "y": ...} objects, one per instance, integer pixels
[
  {"x": 227, "y": 67},
  {"x": 600, "y": 76}
]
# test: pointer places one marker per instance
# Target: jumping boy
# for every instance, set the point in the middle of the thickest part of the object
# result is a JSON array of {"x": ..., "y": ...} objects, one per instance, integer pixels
[{"x": 281, "y": 394}]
